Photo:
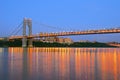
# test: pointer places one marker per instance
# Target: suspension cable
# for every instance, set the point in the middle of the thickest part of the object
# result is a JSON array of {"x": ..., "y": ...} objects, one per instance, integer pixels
[
  {"x": 48, "y": 26},
  {"x": 16, "y": 29}
]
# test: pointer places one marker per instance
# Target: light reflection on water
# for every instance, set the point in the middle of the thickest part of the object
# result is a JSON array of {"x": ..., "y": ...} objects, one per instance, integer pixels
[{"x": 59, "y": 64}]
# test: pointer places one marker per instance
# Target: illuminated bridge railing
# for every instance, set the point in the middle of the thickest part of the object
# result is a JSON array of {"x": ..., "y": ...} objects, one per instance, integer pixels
[
  {"x": 78, "y": 33},
  {"x": 16, "y": 37},
  {"x": 87, "y": 32}
]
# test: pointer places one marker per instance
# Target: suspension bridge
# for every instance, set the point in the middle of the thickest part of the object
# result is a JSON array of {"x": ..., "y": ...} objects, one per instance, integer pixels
[{"x": 28, "y": 23}]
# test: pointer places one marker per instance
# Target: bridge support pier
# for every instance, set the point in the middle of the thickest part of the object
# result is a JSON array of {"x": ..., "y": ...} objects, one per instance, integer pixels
[
  {"x": 27, "y": 22},
  {"x": 30, "y": 43},
  {"x": 24, "y": 42}
]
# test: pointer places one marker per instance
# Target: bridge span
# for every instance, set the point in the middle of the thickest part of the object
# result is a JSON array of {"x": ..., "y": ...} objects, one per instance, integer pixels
[{"x": 87, "y": 32}]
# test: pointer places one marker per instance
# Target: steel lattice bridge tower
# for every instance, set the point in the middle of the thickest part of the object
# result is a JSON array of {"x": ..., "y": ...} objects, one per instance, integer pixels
[{"x": 28, "y": 23}]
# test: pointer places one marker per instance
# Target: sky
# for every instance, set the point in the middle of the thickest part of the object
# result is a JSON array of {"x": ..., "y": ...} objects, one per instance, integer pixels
[{"x": 62, "y": 15}]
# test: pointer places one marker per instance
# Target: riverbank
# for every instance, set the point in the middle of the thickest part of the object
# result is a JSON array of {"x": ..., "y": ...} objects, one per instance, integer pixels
[{"x": 18, "y": 43}]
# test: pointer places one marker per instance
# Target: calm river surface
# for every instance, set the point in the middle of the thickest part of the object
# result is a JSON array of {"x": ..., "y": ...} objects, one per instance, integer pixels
[{"x": 59, "y": 63}]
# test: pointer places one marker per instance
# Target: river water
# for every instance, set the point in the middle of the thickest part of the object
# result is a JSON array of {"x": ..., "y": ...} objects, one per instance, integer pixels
[{"x": 59, "y": 63}]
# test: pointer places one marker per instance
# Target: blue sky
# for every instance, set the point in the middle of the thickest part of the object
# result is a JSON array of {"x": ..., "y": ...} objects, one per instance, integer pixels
[{"x": 68, "y": 15}]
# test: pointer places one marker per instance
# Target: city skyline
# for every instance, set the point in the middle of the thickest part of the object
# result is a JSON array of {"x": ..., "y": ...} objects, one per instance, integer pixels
[{"x": 68, "y": 15}]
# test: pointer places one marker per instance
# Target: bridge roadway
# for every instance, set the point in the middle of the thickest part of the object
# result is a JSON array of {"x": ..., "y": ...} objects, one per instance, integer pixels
[{"x": 87, "y": 32}]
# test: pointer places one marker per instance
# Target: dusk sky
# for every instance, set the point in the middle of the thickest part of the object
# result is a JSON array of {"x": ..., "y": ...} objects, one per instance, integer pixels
[{"x": 65, "y": 15}]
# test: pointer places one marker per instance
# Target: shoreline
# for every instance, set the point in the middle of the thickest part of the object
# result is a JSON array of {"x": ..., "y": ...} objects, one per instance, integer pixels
[{"x": 18, "y": 43}]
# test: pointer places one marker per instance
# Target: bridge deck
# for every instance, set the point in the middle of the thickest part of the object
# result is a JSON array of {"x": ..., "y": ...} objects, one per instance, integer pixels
[{"x": 103, "y": 31}]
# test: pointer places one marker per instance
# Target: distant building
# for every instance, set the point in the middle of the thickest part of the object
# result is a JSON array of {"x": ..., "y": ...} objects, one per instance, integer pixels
[
  {"x": 48, "y": 39},
  {"x": 65, "y": 40},
  {"x": 84, "y": 41},
  {"x": 68, "y": 40},
  {"x": 60, "y": 40},
  {"x": 55, "y": 39}
]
